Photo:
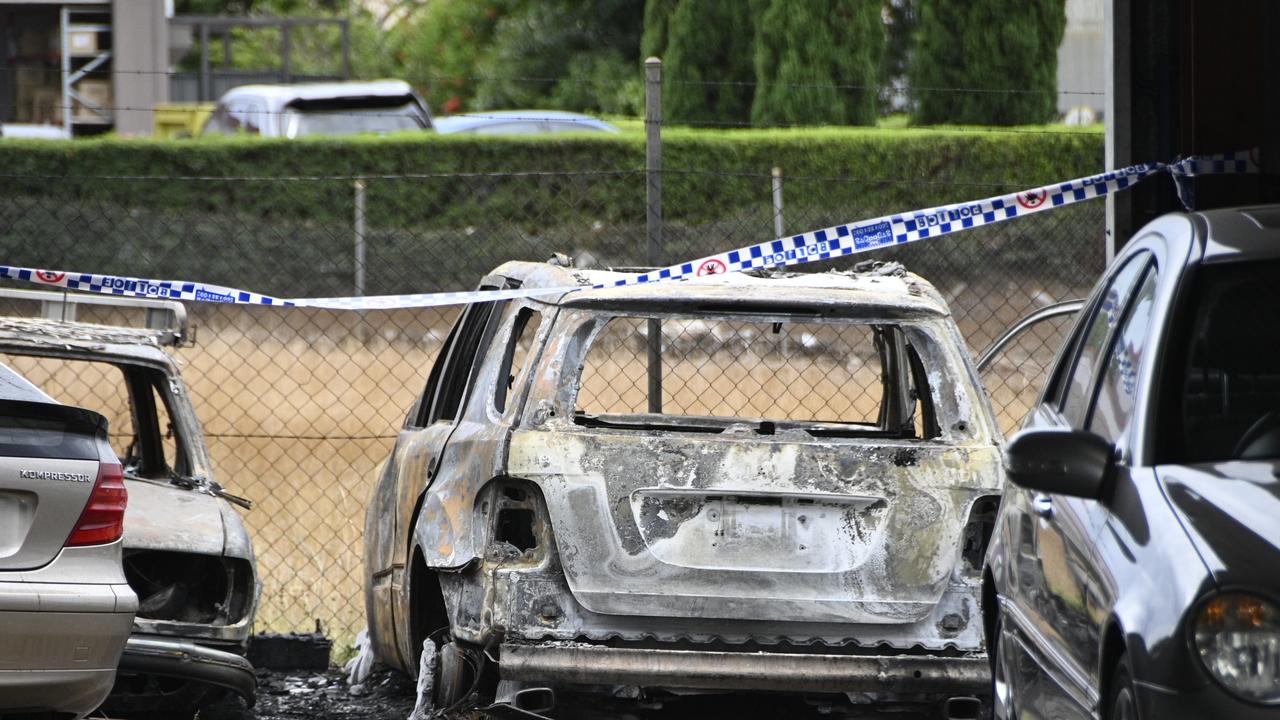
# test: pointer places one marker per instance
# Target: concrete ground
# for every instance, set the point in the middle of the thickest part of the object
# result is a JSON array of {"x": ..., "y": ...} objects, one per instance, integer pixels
[{"x": 325, "y": 696}]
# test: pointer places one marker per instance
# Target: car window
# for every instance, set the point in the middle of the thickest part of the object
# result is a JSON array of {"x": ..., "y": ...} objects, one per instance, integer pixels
[
  {"x": 170, "y": 438},
  {"x": 140, "y": 427},
  {"x": 1086, "y": 364},
  {"x": 519, "y": 352},
  {"x": 337, "y": 117},
  {"x": 457, "y": 370},
  {"x": 1114, "y": 405},
  {"x": 766, "y": 373},
  {"x": 237, "y": 116},
  {"x": 1220, "y": 398}
]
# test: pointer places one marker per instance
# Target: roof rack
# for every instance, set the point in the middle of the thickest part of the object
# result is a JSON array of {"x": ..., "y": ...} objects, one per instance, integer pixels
[{"x": 167, "y": 318}]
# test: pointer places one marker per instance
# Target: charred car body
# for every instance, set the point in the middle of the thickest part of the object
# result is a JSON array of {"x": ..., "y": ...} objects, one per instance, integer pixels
[
  {"x": 187, "y": 554},
  {"x": 808, "y": 515}
]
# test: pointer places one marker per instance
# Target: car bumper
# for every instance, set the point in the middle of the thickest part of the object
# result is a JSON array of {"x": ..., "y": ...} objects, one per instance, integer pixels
[
  {"x": 185, "y": 660},
  {"x": 63, "y": 661},
  {"x": 1205, "y": 702},
  {"x": 782, "y": 672}
]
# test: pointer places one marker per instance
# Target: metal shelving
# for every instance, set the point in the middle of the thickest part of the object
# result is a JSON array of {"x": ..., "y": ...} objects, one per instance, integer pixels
[{"x": 86, "y": 64}]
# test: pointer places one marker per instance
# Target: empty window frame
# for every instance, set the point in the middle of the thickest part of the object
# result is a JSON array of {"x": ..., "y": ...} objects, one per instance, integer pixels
[{"x": 761, "y": 371}]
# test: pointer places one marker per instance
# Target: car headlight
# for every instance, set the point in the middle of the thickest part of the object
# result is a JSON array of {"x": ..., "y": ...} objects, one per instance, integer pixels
[{"x": 1237, "y": 637}]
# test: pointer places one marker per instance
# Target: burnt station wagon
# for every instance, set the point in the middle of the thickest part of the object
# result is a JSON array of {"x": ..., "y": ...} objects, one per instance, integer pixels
[{"x": 768, "y": 482}]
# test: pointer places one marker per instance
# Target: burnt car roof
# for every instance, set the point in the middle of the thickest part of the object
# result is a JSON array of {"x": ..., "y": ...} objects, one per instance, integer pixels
[
  {"x": 884, "y": 289},
  {"x": 106, "y": 341}
]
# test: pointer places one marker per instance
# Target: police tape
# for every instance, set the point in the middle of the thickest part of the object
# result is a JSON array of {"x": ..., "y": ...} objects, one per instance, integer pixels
[{"x": 814, "y": 246}]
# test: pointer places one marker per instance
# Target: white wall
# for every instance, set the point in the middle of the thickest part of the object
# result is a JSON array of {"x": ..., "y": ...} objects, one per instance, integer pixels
[{"x": 1081, "y": 57}]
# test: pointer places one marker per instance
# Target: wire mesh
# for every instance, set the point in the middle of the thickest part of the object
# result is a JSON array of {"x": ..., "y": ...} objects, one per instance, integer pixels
[{"x": 300, "y": 407}]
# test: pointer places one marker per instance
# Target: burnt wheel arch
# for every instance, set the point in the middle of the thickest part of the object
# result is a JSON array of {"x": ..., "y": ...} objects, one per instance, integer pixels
[{"x": 427, "y": 610}]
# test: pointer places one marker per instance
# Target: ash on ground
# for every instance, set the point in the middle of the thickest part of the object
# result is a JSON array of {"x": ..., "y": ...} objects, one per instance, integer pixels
[{"x": 385, "y": 695}]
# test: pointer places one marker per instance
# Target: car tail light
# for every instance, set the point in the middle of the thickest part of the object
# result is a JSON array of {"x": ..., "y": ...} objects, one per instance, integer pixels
[{"x": 103, "y": 518}]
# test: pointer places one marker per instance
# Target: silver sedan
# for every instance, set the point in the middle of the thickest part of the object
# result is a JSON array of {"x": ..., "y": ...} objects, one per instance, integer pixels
[{"x": 65, "y": 607}]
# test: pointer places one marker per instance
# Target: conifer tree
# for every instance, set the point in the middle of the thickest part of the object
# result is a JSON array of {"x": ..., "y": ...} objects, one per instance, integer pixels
[
  {"x": 817, "y": 62},
  {"x": 708, "y": 68},
  {"x": 987, "y": 62}
]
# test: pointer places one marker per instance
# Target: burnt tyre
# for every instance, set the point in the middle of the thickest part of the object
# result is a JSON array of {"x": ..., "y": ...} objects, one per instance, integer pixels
[{"x": 447, "y": 673}]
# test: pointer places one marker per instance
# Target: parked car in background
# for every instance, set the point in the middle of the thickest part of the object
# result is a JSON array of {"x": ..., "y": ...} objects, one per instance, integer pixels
[
  {"x": 186, "y": 552},
  {"x": 337, "y": 108},
  {"x": 807, "y": 517},
  {"x": 1133, "y": 572},
  {"x": 65, "y": 607},
  {"x": 32, "y": 132},
  {"x": 520, "y": 122}
]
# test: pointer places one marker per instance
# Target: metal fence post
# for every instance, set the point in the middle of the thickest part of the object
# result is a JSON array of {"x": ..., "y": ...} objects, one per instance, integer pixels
[
  {"x": 346, "y": 49},
  {"x": 359, "y": 228},
  {"x": 286, "y": 51},
  {"x": 777, "y": 202},
  {"x": 653, "y": 211},
  {"x": 206, "y": 93}
]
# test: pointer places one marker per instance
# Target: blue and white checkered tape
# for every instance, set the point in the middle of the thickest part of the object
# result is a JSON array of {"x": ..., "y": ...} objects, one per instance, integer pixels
[{"x": 837, "y": 241}]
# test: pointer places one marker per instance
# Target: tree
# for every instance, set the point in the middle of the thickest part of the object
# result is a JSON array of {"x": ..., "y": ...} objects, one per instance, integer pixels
[
  {"x": 817, "y": 61},
  {"x": 986, "y": 62},
  {"x": 542, "y": 46},
  {"x": 657, "y": 14},
  {"x": 440, "y": 48},
  {"x": 708, "y": 71}
]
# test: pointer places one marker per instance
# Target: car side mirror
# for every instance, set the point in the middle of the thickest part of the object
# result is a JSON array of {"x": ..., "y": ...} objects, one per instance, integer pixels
[{"x": 1060, "y": 461}]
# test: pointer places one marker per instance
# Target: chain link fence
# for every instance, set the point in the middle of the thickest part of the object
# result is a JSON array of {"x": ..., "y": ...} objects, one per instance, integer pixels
[{"x": 300, "y": 406}]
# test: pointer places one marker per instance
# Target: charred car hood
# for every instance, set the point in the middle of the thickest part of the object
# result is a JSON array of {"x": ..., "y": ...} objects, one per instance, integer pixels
[
  {"x": 1231, "y": 512},
  {"x": 166, "y": 517}
]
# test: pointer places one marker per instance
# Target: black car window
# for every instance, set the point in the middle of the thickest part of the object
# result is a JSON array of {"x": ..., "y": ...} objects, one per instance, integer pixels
[
  {"x": 1114, "y": 405},
  {"x": 1220, "y": 398},
  {"x": 1106, "y": 315},
  {"x": 462, "y": 357}
]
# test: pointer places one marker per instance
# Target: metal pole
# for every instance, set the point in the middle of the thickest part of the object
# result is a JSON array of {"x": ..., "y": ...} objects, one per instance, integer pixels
[
  {"x": 777, "y": 202},
  {"x": 653, "y": 211},
  {"x": 286, "y": 51},
  {"x": 359, "y": 227},
  {"x": 205, "y": 91},
  {"x": 346, "y": 50},
  {"x": 226, "y": 48},
  {"x": 65, "y": 49}
]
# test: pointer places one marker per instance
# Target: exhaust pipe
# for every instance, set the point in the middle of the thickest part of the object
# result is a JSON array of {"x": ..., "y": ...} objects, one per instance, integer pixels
[
  {"x": 962, "y": 708},
  {"x": 537, "y": 700}
]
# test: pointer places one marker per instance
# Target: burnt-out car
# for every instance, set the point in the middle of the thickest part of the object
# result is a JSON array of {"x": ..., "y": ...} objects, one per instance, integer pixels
[
  {"x": 775, "y": 483},
  {"x": 186, "y": 552}
]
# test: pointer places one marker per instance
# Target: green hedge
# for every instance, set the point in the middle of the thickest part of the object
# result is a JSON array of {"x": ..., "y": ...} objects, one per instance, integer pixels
[{"x": 260, "y": 217}]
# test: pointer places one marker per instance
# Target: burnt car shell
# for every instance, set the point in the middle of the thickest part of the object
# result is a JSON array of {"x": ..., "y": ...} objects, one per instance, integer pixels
[
  {"x": 584, "y": 546},
  {"x": 187, "y": 553}
]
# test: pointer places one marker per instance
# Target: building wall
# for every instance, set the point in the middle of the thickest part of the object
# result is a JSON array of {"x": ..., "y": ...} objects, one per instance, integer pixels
[
  {"x": 141, "y": 41},
  {"x": 1082, "y": 57}
]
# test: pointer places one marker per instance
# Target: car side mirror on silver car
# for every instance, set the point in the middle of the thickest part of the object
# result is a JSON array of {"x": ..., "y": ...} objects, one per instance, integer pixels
[{"x": 1060, "y": 461}]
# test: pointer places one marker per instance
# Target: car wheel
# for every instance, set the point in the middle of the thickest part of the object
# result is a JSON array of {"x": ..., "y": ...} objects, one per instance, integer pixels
[
  {"x": 1122, "y": 703},
  {"x": 1001, "y": 690},
  {"x": 445, "y": 677},
  {"x": 454, "y": 675}
]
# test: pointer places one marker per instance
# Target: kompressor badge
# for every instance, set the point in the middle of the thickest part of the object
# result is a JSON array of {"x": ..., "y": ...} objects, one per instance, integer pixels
[{"x": 49, "y": 475}]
